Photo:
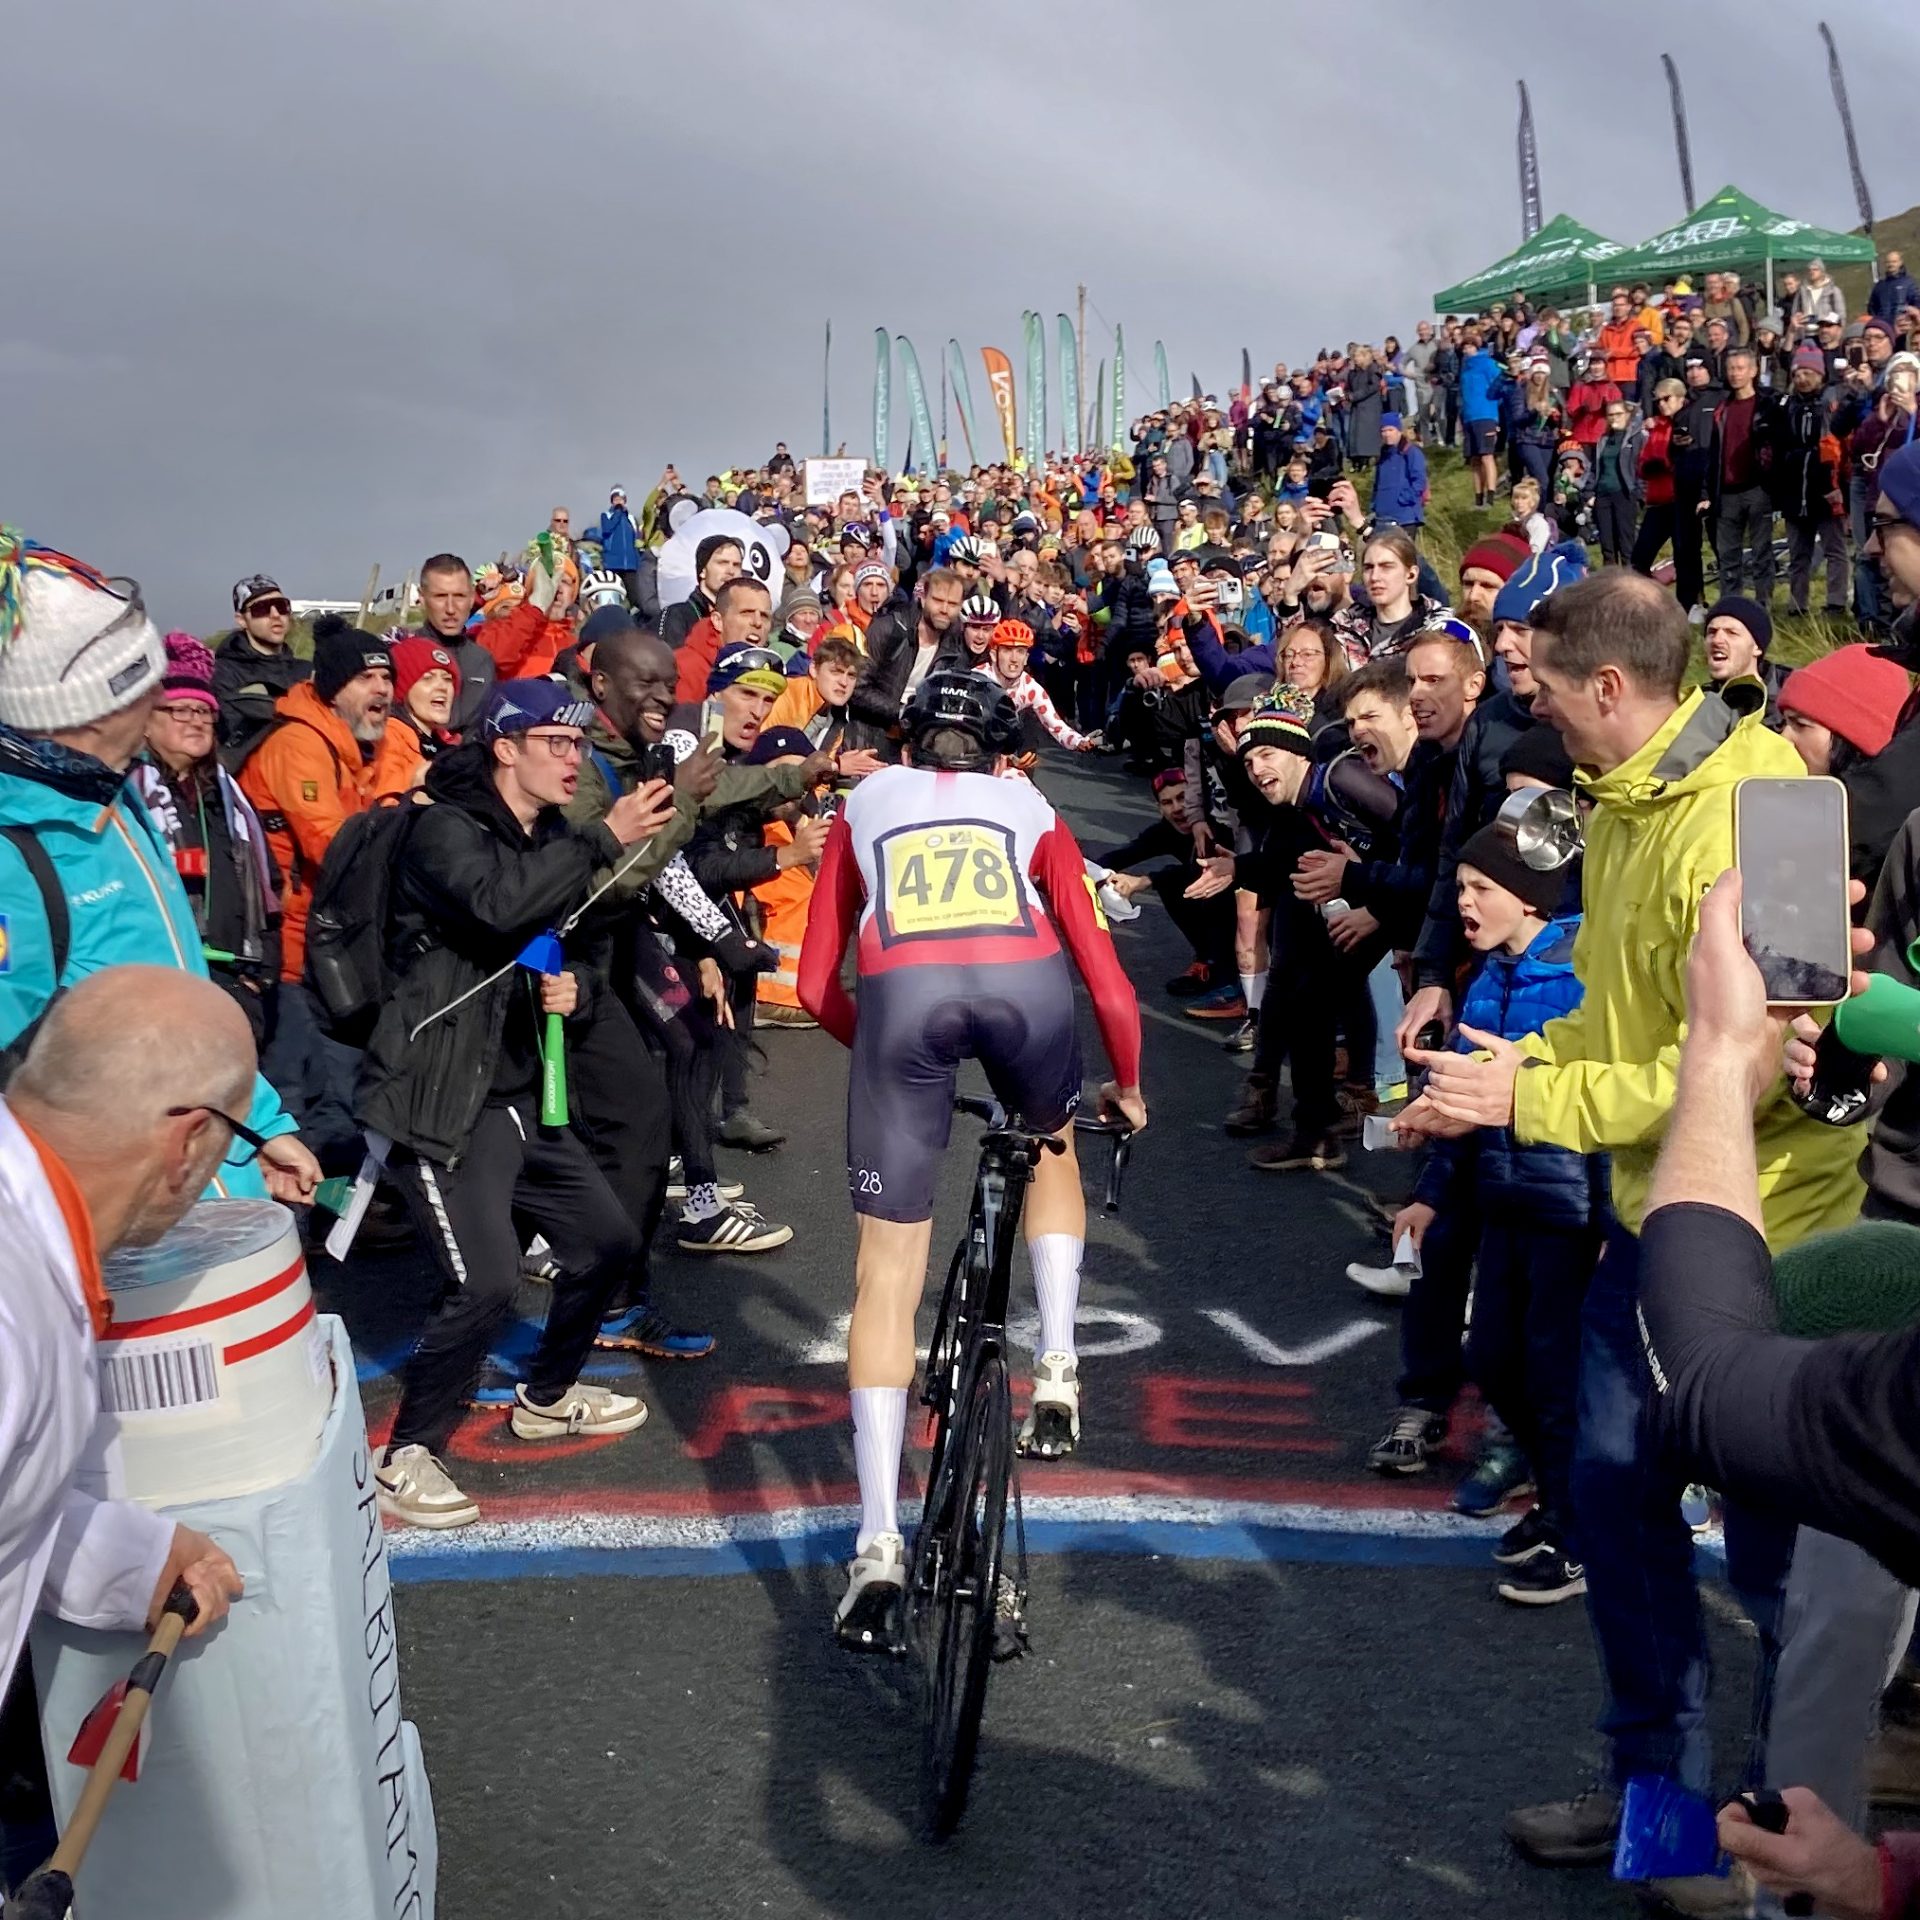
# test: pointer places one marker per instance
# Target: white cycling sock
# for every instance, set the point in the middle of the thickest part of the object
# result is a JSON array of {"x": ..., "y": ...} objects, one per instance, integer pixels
[
  {"x": 703, "y": 1202},
  {"x": 879, "y": 1433},
  {"x": 1253, "y": 988},
  {"x": 1056, "y": 1286}
]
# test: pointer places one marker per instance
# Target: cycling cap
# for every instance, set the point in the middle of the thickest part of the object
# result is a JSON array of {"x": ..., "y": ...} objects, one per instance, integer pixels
[{"x": 969, "y": 703}]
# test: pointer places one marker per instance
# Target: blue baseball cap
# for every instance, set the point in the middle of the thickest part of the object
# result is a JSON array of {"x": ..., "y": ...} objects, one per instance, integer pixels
[
  {"x": 743, "y": 664},
  {"x": 520, "y": 705}
]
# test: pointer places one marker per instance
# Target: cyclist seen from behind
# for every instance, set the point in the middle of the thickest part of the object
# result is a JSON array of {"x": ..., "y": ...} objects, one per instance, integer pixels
[{"x": 965, "y": 887}]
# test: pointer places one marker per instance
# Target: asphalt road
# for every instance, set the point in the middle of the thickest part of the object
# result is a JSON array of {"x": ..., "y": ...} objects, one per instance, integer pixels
[{"x": 1262, "y": 1678}]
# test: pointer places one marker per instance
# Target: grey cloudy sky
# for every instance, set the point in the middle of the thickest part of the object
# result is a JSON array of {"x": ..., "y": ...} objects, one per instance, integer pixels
[{"x": 299, "y": 285}]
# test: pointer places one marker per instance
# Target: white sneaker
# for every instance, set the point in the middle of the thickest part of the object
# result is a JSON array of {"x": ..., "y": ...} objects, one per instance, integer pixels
[
  {"x": 413, "y": 1486},
  {"x": 868, "y": 1616},
  {"x": 581, "y": 1409},
  {"x": 1388, "y": 1283},
  {"x": 677, "y": 1182},
  {"x": 1696, "y": 616},
  {"x": 1051, "y": 1430}
]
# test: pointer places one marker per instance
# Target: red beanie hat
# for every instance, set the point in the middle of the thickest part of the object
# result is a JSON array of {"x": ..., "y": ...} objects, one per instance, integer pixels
[
  {"x": 1497, "y": 554},
  {"x": 1853, "y": 692},
  {"x": 417, "y": 656}
]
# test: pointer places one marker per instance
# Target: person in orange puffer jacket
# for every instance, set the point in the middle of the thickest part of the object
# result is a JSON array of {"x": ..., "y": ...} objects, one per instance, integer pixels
[{"x": 334, "y": 747}]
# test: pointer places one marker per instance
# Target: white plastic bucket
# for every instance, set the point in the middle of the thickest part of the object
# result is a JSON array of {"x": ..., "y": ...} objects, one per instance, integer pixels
[{"x": 215, "y": 1379}]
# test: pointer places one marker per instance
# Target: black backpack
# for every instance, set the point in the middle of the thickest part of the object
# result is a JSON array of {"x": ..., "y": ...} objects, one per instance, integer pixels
[
  {"x": 53, "y": 900},
  {"x": 346, "y": 965}
]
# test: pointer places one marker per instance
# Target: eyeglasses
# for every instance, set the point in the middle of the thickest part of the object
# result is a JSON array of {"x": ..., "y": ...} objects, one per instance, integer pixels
[
  {"x": 265, "y": 609},
  {"x": 246, "y": 1147},
  {"x": 188, "y": 713},
  {"x": 563, "y": 746}
]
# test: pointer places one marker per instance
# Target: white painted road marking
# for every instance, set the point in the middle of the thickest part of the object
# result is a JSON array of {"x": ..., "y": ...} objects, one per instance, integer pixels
[{"x": 1255, "y": 1344}]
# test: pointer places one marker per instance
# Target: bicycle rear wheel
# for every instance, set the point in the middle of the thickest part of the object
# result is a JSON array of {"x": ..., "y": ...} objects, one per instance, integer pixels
[{"x": 968, "y": 1527}]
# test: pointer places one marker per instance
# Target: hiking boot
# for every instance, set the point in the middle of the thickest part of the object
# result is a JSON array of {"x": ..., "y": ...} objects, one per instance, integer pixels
[
  {"x": 869, "y": 1618},
  {"x": 1411, "y": 1435},
  {"x": 1499, "y": 1475},
  {"x": 1393, "y": 1282},
  {"x": 1319, "y": 1151},
  {"x": 1052, "y": 1428},
  {"x": 1543, "y": 1581},
  {"x": 414, "y": 1487},
  {"x": 581, "y": 1409},
  {"x": 1245, "y": 1037},
  {"x": 1190, "y": 985},
  {"x": 742, "y": 1130},
  {"x": 1580, "y": 1832},
  {"x": 736, "y": 1228},
  {"x": 776, "y": 1013},
  {"x": 1528, "y": 1536},
  {"x": 647, "y": 1330},
  {"x": 1224, "y": 1002},
  {"x": 1254, "y": 1112},
  {"x": 1703, "y": 1896},
  {"x": 1893, "y": 1765}
]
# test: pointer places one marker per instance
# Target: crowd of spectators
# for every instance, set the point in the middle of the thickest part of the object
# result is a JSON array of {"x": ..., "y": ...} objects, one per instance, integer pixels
[{"x": 1435, "y": 829}]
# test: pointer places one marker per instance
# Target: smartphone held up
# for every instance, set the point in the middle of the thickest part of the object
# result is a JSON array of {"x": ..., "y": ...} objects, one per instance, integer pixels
[{"x": 1790, "y": 844}]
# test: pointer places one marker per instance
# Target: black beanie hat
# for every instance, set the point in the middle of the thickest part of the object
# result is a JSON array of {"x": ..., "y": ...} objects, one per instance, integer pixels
[
  {"x": 1540, "y": 753},
  {"x": 1493, "y": 851},
  {"x": 708, "y": 548},
  {"x": 341, "y": 651},
  {"x": 1751, "y": 615}
]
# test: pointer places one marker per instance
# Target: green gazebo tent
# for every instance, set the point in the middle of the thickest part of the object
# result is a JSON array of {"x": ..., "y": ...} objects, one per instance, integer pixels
[
  {"x": 1557, "y": 261},
  {"x": 1732, "y": 231}
]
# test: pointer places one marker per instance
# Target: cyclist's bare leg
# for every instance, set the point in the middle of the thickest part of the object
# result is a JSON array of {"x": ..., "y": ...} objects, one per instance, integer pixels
[{"x": 890, "y": 1269}]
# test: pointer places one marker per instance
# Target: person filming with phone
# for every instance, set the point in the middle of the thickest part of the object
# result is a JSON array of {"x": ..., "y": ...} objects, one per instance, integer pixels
[
  {"x": 1660, "y": 768},
  {"x": 1820, "y": 1430}
]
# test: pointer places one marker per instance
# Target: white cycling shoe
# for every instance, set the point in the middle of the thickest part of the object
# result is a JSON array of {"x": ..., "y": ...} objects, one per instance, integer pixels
[
  {"x": 1051, "y": 1430},
  {"x": 870, "y": 1616}
]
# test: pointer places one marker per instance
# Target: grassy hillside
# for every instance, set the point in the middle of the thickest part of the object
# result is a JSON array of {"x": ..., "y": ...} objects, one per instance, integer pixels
[
  {"x": 1454, "y": 523},
  {"x": 1901, "y": 235}
]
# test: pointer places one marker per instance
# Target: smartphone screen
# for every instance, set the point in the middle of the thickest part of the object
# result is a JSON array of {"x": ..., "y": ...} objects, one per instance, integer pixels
[{"x": 1790, "y": 844}]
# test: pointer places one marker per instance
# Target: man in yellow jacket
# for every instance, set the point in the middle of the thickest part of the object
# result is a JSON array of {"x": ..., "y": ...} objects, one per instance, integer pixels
[{"x": 1609, "y": 657}]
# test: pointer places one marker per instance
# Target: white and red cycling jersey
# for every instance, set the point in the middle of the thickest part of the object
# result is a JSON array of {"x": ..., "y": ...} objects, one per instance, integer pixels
[
  {"x": 958, "y": 870},
  {"x": 1030, "y": 696}
]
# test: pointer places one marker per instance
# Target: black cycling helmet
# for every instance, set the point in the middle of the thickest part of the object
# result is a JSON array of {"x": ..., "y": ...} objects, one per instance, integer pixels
[{"x": 966, "y": 703}]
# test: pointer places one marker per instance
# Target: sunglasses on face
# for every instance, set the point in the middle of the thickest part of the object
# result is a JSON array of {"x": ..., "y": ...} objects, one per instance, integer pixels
[{"x": 265, "y": 609}]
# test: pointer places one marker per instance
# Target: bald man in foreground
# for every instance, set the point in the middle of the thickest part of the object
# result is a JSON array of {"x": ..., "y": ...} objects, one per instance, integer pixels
[{"x": 109, "y": 1132}]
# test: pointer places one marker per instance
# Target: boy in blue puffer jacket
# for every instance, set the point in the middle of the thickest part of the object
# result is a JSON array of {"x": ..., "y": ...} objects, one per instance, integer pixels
[{"x": 1544, "y": 1208}]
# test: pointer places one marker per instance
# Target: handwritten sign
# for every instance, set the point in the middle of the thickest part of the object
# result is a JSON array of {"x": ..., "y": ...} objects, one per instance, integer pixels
[{"x": 827, "y": 480}]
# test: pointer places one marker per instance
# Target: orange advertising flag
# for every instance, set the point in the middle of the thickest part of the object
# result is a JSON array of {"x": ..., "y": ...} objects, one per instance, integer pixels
[{"x": 1000, "y": 379}]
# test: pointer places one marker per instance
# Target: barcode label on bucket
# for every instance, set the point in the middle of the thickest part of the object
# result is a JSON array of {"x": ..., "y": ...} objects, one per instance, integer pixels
[{"x": 154, "y": 1376}]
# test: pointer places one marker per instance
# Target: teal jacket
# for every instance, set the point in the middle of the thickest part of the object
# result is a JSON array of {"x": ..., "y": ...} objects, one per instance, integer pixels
[{"x": 125, "y": 904}]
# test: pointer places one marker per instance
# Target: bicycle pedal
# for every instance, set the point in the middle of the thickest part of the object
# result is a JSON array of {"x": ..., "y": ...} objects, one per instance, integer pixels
[
  {"x": 1050, "y": 1433},
  {"x": 875, "y": 1623}
]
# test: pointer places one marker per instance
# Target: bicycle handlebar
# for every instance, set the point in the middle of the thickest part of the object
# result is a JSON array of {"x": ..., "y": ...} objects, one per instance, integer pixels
[{"x": 1121, "y": 1134}]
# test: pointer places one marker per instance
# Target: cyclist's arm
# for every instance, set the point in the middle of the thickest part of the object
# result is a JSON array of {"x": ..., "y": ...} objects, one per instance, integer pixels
[
  {"x": 837, "y": 899},
  {"x": 1060, "y": 872}
]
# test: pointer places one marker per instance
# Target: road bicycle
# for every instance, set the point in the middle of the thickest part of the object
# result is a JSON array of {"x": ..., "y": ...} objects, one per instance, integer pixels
[{"x": 964, "y": 1609}]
